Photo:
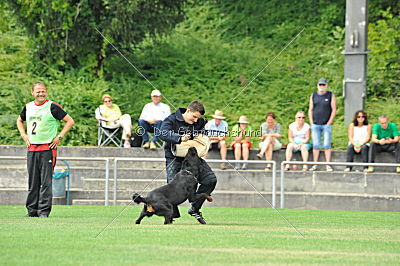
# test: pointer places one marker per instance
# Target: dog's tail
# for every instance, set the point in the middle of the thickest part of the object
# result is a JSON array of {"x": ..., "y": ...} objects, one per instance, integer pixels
[{"x": 138, "y": 199}]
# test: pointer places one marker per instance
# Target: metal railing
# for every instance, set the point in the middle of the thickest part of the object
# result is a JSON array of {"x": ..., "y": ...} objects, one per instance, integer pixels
[
  {"x": 143, "y": 159},
  {"x": 107, "y": 169},
  {"x": 283, "y": 163}
]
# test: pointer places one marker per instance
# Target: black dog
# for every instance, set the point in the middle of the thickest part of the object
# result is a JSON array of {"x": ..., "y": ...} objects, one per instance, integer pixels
[{"x": 161, "y": 201}]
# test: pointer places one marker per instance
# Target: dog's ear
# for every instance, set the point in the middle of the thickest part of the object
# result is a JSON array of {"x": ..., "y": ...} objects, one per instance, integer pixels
[{"x": 192, "y": 151}]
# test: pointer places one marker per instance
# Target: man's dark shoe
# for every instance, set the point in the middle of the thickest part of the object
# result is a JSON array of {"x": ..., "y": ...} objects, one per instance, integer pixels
[
  {"x": 30, "y": 215},
  {"x": 197, "y": 215}
]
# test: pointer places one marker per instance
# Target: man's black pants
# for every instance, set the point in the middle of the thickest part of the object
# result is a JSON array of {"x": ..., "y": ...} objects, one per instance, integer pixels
[
  {"x": 40, "y": 170},
  {"x": 207, "y": 180},
  {"x": 375, "y": 148}
]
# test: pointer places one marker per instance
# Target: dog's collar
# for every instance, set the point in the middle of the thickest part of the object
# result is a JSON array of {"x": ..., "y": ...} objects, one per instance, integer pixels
[{"x": 192, "y": 175}]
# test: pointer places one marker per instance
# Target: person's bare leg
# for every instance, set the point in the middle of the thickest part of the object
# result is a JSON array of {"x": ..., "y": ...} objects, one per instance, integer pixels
[
  {"x": 246, "y": 152},
  {"x": 328, "y": 155},
  {"x": 238, "y": 151},
  {"x": 223, "y": 149},
  {"x": 315, "y": 155},
  {"x": 270, "y": 149},
  {"x": 304, "y": 156},
  {"x": 264, "y": 146},
  {"x": 304, "y": 153},
  {"x": 289, "y": 151}
]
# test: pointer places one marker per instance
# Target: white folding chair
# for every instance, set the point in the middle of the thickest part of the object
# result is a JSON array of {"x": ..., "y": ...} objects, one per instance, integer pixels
[{"x": 107, "y": 135}]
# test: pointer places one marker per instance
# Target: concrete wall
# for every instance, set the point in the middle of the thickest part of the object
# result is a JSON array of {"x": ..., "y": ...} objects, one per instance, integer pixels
[{"x": 314, "y": 190}]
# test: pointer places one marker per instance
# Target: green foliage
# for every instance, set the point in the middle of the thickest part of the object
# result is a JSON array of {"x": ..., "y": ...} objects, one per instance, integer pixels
[
  {"x": 65, "y": 34},
  {"x": 383, "y": 65},
  {"x": 202, "y": 58}
]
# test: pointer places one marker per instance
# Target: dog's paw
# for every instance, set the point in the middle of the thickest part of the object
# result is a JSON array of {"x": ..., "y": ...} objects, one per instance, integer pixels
[
  {"x": 137, "y": 222},
  {"x": 208, "y": 198}
]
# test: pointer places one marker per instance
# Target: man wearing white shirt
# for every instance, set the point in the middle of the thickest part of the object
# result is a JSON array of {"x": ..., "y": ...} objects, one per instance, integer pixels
[
  {"x": 217, "y": 130},
  {"x": 151, "y": 119}
]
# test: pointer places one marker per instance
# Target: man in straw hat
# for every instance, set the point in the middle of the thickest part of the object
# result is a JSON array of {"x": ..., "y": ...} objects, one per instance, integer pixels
[
  {"x": 179, "y": 127},
  {"x": 241, "y": 144},
  {"x": 217, "y": 130}
]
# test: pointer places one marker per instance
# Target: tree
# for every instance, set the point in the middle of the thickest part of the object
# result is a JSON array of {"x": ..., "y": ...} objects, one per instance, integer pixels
[{"x": 64, "y": 31}]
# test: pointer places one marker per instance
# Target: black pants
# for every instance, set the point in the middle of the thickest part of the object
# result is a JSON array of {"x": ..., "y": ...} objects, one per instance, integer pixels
[
  {"x": 207, "y": 180},
  {"x": 375, "y": 148},
  {"x": 40, "y": 170},
  {"x": 351, "y": 152}
]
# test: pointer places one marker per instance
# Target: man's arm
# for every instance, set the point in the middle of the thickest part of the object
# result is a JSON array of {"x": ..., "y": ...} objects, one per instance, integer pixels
[
  {"x": 310, "y": 111},
  {"x": 68, "y": 125},
  {"x": 21, "y": 129},
  {"x": 167, "y": 134},
  {"x": 333, "y": 113}
]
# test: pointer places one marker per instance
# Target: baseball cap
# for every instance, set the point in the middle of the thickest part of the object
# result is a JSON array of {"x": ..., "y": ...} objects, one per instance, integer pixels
[{"x": 322, "y": 81}]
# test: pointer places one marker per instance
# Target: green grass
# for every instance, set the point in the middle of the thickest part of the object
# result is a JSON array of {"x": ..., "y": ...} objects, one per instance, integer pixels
[{"x": 233, "y": 236}]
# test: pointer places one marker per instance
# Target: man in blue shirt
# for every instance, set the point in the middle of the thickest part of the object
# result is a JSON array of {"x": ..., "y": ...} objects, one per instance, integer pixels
[{"x": 217, "y": 130}]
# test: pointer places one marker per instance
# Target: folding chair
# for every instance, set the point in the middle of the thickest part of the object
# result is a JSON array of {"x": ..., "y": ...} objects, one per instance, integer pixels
[{"x": 106, "y": 135}]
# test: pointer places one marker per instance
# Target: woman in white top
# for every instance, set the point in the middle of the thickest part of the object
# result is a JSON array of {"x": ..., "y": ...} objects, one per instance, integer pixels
[
  {"x": 359, "y": 134},
  {"x": 299, "y": 139}
]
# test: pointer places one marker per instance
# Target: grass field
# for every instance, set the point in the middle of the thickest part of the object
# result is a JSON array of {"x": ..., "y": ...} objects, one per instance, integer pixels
[{"x": 233, "y": 236}]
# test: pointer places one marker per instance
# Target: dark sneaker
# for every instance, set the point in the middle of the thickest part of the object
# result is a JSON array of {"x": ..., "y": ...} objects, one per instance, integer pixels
[
  {"x": 31, "y": 215},
  {"x": 197, "y": 215}
]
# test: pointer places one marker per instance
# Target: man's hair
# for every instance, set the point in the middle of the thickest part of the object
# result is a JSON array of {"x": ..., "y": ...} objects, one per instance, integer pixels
[
  {"x": 196, "y": 106},
  {"x": 383, "y": 117},
  {"x": 38, "y": 83}
]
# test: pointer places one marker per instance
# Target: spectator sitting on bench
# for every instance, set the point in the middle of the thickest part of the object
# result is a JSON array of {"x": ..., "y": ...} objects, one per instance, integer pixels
[
  {"x": 112, "y": 115},
  {"x": 271, "y": 132},
  {"x": 151, "y": 118},
  {"x": 299, "y": 139},
  {"x": 359, "y": 134},
  {"x": 218, "y": 129},
  {"x": 385, "y": 137},
  {"x": 241, "y": 144}
]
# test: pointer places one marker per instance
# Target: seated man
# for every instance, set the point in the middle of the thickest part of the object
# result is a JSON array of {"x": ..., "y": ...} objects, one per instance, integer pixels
[
  {"x": 111, "y": 113},
  {"x": 217, "y": 130},
  {"x": 385, "y": 137},
  {"x": 151, "y": 119}
]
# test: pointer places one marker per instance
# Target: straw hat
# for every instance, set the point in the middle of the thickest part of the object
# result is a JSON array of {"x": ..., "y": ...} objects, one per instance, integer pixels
[
  {"x": 218, "y": 115},
  {"x": 243, "y": 120}
]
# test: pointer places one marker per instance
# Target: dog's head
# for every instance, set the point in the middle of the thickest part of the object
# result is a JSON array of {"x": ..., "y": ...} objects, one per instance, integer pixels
[{"x": 192, "y": 161}]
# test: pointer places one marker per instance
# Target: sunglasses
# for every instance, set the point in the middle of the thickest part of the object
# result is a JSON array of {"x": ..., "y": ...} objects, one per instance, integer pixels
[
  {"x": 360, "y": 116},
  {"x": 321, "y": 84},
  {"x": 301, "y": 117}
]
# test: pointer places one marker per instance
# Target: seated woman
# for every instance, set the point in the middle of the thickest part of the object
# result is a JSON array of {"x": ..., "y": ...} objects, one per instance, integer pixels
[
  {"x": 299, "y": 139},
  {"x": 270, "y": 134},
  {"x": 112, "y": 115},
  {"x": 359, "y": 134},
  {"x": 241, "y": 144}
]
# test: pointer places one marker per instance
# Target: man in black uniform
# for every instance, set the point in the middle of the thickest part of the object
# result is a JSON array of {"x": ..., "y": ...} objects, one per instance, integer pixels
[
  {"x": 180, "y": 127},
  {"x": 42, "y": 118}
]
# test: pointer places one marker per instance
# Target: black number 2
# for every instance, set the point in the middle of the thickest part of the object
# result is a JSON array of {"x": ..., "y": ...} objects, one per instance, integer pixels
[{"x": 34, "y": 124}]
